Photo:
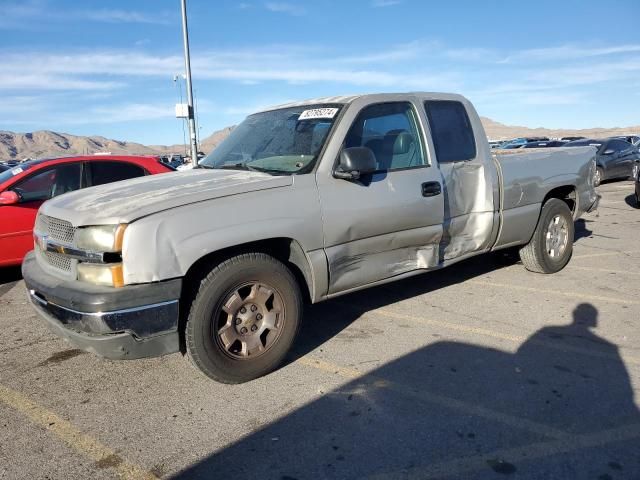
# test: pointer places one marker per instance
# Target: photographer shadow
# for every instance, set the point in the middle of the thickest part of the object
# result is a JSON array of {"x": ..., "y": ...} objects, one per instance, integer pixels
[{"x": 560, "y": 406}]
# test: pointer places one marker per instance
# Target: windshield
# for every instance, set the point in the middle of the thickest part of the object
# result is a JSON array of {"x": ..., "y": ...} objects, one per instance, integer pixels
[
  {"x": 585, "y": 143},
  {"x": 285, "y": 141},
  {"x": 13, "y": 170}
]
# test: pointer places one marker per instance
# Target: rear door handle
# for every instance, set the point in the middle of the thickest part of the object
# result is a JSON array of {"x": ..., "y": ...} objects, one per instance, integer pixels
[{"x": 431, "y": 189}]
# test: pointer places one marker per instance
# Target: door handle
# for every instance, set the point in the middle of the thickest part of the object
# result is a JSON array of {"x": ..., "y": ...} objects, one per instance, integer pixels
[{"x": 431, "y": 189}]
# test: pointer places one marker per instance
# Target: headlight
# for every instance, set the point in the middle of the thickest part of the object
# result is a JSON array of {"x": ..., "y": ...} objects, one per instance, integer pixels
[
  {"x": 101, "y": 238},
  {"x": 109, "y": 275}
]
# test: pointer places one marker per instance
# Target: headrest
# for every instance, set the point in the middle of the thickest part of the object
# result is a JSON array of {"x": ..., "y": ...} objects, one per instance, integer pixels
[{"x": 402, "y": 143}]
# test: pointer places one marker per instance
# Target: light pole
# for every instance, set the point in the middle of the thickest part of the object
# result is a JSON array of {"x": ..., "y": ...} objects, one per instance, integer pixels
[{"x": 187, "y": 66}]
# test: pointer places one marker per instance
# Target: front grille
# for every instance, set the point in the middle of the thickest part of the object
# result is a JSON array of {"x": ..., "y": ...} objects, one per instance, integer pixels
[
  {"x": 59, "y": 261},
  {"x": 55, "y": 228}
]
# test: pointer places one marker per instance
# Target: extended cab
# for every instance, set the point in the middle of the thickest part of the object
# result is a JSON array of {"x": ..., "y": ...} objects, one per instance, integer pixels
[{"x": 304, "y": 201}]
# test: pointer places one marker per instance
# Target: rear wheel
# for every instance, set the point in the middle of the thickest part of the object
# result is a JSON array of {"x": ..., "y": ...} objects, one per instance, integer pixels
[
  {"x": 551, "y": 246},
  {"x": 244, "y": 318}
]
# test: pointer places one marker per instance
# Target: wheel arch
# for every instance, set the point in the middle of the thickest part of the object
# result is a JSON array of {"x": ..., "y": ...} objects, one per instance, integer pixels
[
  {"x": 287, "y": 250},
  {"x": 566, "y": 193}
]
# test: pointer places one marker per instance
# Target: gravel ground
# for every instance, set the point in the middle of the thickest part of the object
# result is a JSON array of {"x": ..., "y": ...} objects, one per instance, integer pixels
[{"x": 479, "y": 371}]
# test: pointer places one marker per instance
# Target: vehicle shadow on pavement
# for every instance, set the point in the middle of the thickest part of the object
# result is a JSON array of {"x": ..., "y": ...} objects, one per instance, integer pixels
[
  {"x": 560, "y": 406},
  {"x": 327, "y": 319},
  {"x": 581, "y": 230},
  {"x": 631, "y": 201},
  {"x": 8, "y": 277}
]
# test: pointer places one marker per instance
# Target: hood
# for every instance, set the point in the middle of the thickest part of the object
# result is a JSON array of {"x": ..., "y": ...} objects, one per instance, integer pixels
[{"x": 128, "y": 200}]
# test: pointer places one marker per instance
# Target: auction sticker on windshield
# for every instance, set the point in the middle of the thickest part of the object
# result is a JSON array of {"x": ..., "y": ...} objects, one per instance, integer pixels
[{"x": 318, "y": 113}]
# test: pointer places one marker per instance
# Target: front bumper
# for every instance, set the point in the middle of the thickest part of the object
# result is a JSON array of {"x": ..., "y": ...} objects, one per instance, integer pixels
[
  {"x": 131, "y": 322},
  {"x": 595, "y": 204}
]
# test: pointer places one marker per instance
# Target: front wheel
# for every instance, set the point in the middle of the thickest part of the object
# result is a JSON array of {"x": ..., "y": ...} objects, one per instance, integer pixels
[
  {"x": 598, "y": 177},
  {"x": 551, "y": 246},
  {"x": 244, "y": 318}
]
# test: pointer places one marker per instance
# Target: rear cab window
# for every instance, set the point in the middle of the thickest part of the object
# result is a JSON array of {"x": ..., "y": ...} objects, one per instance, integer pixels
[{"x": 451, "y": 131}]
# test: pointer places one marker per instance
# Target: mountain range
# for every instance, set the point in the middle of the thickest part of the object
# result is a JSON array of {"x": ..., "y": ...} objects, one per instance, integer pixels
[{"x": 45, "y": 143}]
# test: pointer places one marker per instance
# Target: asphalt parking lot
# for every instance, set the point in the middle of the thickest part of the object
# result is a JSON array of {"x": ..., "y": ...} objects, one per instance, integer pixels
[{"x": 479, "y": 371}]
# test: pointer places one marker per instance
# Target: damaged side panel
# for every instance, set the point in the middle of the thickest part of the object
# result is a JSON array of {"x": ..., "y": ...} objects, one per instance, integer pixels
[
  {"x": 470, "y": 195},
  {"x": 179, "y": 237},
  {"x": 371, "y": 259}
]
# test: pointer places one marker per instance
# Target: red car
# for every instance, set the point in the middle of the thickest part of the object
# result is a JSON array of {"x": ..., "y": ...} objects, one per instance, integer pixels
[{"x": 23, "y": 188}]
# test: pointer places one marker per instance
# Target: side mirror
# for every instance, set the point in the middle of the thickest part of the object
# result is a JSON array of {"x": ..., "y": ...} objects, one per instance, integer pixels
[
  {"x": 355, "y": 162},
  {"x": 9, "y": 198},
  {"x": 609, "y": 152}
]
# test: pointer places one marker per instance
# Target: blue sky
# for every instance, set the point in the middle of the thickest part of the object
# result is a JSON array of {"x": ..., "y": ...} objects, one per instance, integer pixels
[{"x": 107, "y": 67}]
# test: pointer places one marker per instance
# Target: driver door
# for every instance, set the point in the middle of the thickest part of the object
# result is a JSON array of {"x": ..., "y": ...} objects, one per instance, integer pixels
[
  {"x": 390, "y": 222},
  {"x": 16, "y": 234}
]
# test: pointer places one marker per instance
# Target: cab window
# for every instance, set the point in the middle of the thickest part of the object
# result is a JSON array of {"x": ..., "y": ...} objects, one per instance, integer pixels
[{"x": 391, "y": 131}]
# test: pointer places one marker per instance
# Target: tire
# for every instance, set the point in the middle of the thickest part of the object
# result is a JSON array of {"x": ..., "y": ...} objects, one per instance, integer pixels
[
  {"x": 551, "y": 246},
  {"x": 219, "y": 334},
  {"x": 597, "y": 180}
]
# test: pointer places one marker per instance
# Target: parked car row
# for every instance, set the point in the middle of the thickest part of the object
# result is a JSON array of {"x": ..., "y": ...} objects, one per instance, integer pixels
[
  {"x": 637, "y": 179},
  {"x": 519, "y": 142},
  {"x": 24, "y": 187},
  {"x": 616, "y": 157},
  {"x": 174, "y": 160}
]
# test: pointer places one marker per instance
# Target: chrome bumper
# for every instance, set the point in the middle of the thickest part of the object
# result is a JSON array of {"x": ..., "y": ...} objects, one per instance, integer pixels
[{"x": 108, "y": 322}]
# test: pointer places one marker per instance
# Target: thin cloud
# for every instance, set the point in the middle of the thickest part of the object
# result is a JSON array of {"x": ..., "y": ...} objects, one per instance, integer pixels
[
  {"x": 123, "y": 16},
  {"x": 570, "y": 52},
  {"x": 385, "y": 3},
  {"x": 288, "y": 8},
  {"x": 129, "y": 112},
  {"x": 47, "y": 112},
  {"x": 23, "y": 15},
  {"x": 36, "y": 81},
  {"x": 294, "y": 69}
]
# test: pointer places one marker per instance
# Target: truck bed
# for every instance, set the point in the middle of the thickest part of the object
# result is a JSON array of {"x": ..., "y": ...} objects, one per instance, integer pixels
[{"x": 527, "y": 174}]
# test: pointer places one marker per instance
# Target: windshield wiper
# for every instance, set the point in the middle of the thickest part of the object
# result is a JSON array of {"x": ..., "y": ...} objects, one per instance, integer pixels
[
  {"x": 245, "y": 166},
  {"x": 238, "y": 166}
]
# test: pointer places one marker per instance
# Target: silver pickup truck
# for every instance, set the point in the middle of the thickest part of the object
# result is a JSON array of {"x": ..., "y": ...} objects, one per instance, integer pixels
[{"x": 305, "y": 201}]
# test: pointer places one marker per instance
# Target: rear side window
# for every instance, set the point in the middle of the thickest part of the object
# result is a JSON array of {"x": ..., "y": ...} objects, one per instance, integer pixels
[
  {"x": 451, "y": 131},
  {"x": 619, "y": 145},
  {"x": 107, "y": 172}
]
